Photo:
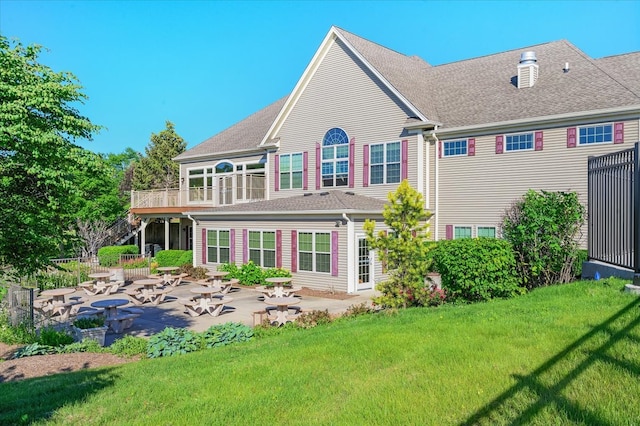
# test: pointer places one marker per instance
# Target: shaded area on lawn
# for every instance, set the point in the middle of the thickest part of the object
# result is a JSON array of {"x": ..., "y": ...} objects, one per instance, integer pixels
[{"x": 545, "y": 385}]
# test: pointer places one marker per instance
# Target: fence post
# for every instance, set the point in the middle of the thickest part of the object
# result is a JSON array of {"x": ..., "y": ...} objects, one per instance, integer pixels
[{"x": 636, "y": 214}]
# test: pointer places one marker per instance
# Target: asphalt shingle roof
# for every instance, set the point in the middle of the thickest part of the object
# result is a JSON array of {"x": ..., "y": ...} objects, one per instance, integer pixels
[
  {"x": 321, "y": 202},
  {"x": 474, "y": 91},
  {"x": 244, "y": 135}
]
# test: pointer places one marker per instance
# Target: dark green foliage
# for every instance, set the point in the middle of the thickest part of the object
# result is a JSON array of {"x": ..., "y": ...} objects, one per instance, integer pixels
[
  {"x": 34, "y": 349},
  {"x": 174, "y": 341},
  {"x": 129, "y": 346},
  {"x": 49, "y": 280},
  {"x": 110, "y": 255},
  {"x": 227, "y": 333},
  {"x": 313, "y": 318},
  {"x": 49, "y": 336},
  {"x": 89, "y": 322},
  {"x": 544, "y": 229},
  {"x": 11, "y": 335},
  {"x": 40, "y": 159},
  {"x": 476, "y": 269},
  {"x": 174, "y": 257},
  {"x": 138, "y": 263},
  {"x": 87, "y": 345},
  {"x": 582, "y": 256},
  {"x": 157, "y": 169}
]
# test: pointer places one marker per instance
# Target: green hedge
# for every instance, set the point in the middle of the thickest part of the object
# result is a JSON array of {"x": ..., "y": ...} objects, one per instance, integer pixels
[
  {"x": 110, "y": 255},
  {"x": 251, "y": 274},
  {"x": 476, "y": 269},
  {"x": 174, "y": 257}
]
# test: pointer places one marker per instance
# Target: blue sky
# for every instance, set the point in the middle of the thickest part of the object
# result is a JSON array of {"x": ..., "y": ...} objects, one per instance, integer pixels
[{"x": 207, "y": 65}]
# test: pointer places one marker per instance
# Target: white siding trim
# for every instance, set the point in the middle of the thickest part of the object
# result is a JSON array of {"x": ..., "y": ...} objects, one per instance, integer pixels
[
  {"x": 420, "y": 148},
  {"x": 352, "y": 253}
]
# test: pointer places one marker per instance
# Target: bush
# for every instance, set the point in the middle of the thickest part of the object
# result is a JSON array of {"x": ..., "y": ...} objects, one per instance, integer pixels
[
  {"x": 129, "y": 346},
  {"x": 49, "y": 336},
  {"x": 87, "y": 345},
  {"x": 232, "y": 269},
  {"x": 110, "y": 255},
  {"x": 363, "y": 308},
  {"x": 476, "y": 269},
  {"x": 174, "y": 341},
  {"x": 313, "y": 318},
  {"x": 89, "y": 322},
  {"x": 23, "y": 333},
  {"x": 224, "y": 334},
  {"x": 544, "y": 229},
  {"x": 174, "y": 257},
  {"x": 34, "y": 349},
  {"x": 251, "y": 274},
  {"x": 276, "y": 272},
  {"x": 137, "y": 263},
  {"x": 582, "y": 256},
  {"x": 199, "y": 273}
]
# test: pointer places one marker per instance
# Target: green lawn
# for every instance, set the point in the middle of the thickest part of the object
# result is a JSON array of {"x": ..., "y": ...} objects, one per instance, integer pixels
[{"x": 560, "y": 355}]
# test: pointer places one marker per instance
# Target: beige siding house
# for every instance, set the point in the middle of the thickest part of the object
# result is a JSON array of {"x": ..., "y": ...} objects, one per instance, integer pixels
[{"x": 291, "y": 185}]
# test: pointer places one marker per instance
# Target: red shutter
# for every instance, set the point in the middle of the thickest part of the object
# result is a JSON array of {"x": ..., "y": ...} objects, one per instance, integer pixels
[
  {"x": 499, "y": 144},
  {"x": 334, "y": 253},
  {"x": 471, "y": 147},
  {"x": 618, "y": 132},
  {"x": 318, "y": 162},
  {"x": 245, "y": 246},
  {"x": 539, "y": 142},
  {"x": 449, "y": 232},
  {"x": 232, "y": 246},
  {"x": 276, "y": 168},
  {"x": 365, "y": 165},
  {"x": 305, "y": 170},
  {"x": 571, "y": 137},
  {"x": 352, "y": 159},
  {"x": 404, "y": 158},
  {"x": 204, "y": 246},
  {"x": 439, "y": 149},
  {"x": 294, "y": 251},
  {"x": 278, "y": 249}
]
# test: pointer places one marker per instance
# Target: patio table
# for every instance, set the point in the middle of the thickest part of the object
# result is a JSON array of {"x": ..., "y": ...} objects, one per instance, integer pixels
[
  {"x": 115, "y": 321},
  {"x": 167, "y": 270},
  {"x": 207, "y": 302},
  {"x": 54, "y": 302},
  {"x": 282, "y": 305},
  {"x": 216, "y": 276}
]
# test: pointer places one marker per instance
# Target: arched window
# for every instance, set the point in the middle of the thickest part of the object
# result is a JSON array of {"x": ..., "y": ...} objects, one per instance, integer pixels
[
  {"x": 225, "y": 167},
  {"x": 335, "y": 158}
]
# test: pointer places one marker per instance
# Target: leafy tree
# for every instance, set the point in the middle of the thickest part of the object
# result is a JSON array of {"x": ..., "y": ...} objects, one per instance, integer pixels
[
  {"x": 403, "y": 250},
  {"x": 158, "y": 170},
  {"x": 39, "y": 160},
  {"x": 544, "y": 230}
]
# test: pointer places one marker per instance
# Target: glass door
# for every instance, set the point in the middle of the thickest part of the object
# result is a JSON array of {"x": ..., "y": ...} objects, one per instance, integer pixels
[{"x": 365, "y": 272}]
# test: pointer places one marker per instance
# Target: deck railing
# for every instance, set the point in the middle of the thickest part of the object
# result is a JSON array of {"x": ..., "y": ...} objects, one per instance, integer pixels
[{"x": 226, "y": 190}]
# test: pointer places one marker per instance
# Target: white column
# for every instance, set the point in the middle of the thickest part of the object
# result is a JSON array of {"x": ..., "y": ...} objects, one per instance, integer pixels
[
  {"x": 352, "y": 254},
  {"x": 143, "y": 236}
]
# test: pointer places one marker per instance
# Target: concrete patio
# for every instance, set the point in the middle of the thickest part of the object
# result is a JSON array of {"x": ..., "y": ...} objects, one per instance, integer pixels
[{"x": 170, "y": 313}]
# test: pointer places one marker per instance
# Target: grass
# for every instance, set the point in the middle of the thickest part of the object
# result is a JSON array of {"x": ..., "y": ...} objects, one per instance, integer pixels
[{"x": 561, "y": 355}]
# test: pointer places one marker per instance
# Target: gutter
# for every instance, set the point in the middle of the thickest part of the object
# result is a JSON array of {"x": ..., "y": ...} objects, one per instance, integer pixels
[
  {"x": 574, "y": 118},
  {"x": 224, "y": 154}
]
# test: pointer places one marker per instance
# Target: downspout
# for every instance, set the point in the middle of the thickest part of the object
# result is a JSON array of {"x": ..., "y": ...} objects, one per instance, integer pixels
[
  {"x": 437, "y": 183},
  {"x": 193, "y": 238}
]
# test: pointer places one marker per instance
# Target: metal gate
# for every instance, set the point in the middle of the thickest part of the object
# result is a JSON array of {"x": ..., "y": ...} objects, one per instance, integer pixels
[
  {"x": 20, "y": 301},
  {"x": 614, "y": 208}
]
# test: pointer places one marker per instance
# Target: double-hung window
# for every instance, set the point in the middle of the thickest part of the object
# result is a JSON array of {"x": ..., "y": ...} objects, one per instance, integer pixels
[
  {"x": 486, "y": 231},
  {"x": 201, "y": 184},
  {"x": 218, "y": 245},
  {"x": 595, "y": 134},
  {"x": 314, "y": 251},
  {"x": 262, "y": 248},
  {"x": 291, "y": 171},
  {"x": 461, "y": 232},
  {"x": 335, "y": 158},
  {"x": 519, "y": 142},
  {"x": 454, "y": 148},
  {"x": 385, "y": 163}
]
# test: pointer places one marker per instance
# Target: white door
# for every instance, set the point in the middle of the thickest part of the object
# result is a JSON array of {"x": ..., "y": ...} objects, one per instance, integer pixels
[{"x": 364, "y": 263}]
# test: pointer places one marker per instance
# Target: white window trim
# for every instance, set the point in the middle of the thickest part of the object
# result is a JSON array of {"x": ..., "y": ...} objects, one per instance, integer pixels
[
  {"x": 218, "y": 246},
  {"x": 262, "y": 249},
  {"x": 533, "y": 142},
  {"x": 613, "y": 134},
  {"x": 291, "y": 171},
  {"x": 462, "y": 226},
  {"x": 384, "y": 163},
  {"x": 495, "y": 230},
  {"x": 444, "y": 151},
  {"x": 313, "y": 252}
]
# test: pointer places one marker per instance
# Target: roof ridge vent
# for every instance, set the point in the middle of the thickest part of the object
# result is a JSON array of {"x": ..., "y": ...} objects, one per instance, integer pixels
[{"x": 527, "y": 70}]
